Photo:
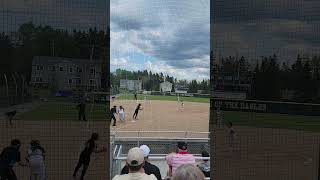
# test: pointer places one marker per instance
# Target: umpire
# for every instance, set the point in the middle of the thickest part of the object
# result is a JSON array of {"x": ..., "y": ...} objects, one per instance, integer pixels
[
  {"x": 113, "y": 112},
  {"x": 82, "y": 110}
]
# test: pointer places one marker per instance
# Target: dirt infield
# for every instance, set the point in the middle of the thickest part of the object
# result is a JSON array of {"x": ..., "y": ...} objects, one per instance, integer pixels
[
  {"x": 62, "y": 141},
  {"x": 164, "y": 116},
  {"x": 265, "y": 153}
]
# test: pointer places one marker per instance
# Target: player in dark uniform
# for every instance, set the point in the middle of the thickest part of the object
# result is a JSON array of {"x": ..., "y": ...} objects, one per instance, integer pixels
[
  {"x": 8, "y": 158},
  {"x": 135, "y": 96},
  {"x": 137, "y": 111},
  {"x": 84, "y": 159},
  {"x": 113, "y": 113},
  {"x": 82, "y": 110},
  {"x": 10, "y": 116}
]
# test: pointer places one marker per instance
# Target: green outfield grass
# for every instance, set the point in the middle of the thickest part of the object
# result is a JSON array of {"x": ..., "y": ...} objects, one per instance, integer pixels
[
  {"x": 164, "y": 98},
  {"x": 269, "y": 120},
  {"x": 63, "y": 111}
]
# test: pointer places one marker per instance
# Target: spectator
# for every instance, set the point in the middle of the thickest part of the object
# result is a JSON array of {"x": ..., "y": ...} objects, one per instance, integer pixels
[
  {"x": 205, "y": 165},
  {"x": 135, "y": 162},
  {"x": 188, "y": 172},
  {"x": 8, "y": 158},
  {"x": 148, "y": 167},
  {"x": 174, "y": 160}
]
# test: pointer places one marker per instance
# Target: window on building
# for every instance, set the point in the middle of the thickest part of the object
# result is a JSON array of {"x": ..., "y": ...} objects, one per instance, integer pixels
[
  {"x": 70, "y": 70},
  {"x": 39, "y": 67},
  {"x": 61, "y": 68},
  {"x": 92, "y": 70},
  {"x": 38, "y": 79},
  {"x": 79, "y": 70},
  {"x": 70, "y": 81},
  {"x": 53, "y": 68},
  {"x": 92, "y": 82}
]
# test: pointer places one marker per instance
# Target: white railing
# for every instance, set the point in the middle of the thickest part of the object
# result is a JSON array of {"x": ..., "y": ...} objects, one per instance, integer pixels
[
  {"x": 147, "y": 133},
  {"x": 157, "y": 138},
  {"x": 161, "y": 158}
]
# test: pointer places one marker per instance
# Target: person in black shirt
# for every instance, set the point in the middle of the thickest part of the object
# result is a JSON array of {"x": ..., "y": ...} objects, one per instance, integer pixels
[
  {"x": 137, "y": 111},
  {"x": 113, "y": 115},
  {"x": 8, "y": 158},
  {"x": 90, "y": 147},
  {"x": 82, "y": 110},
  {"x": 148, "y": 167},
  {"x": 135, "y": 96}
]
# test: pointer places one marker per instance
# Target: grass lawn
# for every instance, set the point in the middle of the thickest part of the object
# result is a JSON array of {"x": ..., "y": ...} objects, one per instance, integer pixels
[
  {"x": 63, "y": 111},
  {"x": 164, "y": 98},
  {"x": 269, "y": 120}
]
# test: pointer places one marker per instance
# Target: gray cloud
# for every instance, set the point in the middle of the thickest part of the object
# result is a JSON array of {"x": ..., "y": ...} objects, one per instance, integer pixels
[
  {"x": 263, "y": 27},
  {"x": 176, "y": 32},
  {"x": 66, "y": 14}
]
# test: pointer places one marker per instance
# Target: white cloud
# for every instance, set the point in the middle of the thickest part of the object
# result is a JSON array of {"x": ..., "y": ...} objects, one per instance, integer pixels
[
  {"x": 118, "y": 62},
  {"x": 186, "y": 73},
  {"x": 173, "y": 33}
]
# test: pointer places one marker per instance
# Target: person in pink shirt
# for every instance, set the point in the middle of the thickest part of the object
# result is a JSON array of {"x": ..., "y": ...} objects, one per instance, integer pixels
[{"x": 174, "y": 160}]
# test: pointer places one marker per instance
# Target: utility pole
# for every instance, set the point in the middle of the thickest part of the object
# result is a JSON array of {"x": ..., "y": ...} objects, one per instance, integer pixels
[{"x": 91, "y": 54}]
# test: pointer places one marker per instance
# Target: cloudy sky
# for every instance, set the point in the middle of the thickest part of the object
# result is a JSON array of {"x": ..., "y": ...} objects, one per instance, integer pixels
[
  {"x": 64, "y": 14},
  {"x": 263, "y": 27},
  {"x": 168, "y": 36}
]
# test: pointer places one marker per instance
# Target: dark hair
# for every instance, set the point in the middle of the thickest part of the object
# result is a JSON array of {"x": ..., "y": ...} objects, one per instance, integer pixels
[
  {"x": 182, "y": 145},
  {"x": 15, "y": 142},
  {"x": 94, "y": 136},
  {"x": 35, "y": 143},
  {"x": 135, "y": 168},
  {"x": 205, "y": 153},
  {"x": 230, "y": 124}
]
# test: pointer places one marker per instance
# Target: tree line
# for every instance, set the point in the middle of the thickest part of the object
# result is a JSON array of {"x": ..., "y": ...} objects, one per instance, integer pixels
[
  {"x": 151, "y": 81},
  {"x": 17, "y": 49},
  {"x": 271, "y": 78}
]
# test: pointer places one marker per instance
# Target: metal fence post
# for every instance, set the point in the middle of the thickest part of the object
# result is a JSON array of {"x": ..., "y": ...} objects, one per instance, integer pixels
[{"x": 16, "y": 89}]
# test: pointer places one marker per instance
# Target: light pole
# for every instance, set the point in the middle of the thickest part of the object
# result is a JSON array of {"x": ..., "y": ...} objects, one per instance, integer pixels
[
  {"x": 22, "y": 89},
  {"x": 7, "y": 88}
]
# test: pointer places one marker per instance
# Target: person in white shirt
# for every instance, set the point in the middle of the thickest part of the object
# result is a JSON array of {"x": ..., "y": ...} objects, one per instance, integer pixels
[
  {"x": 121, "y": 114},
  {"x": 135, "y": 162},
  {"x": 35, "y": 157}
]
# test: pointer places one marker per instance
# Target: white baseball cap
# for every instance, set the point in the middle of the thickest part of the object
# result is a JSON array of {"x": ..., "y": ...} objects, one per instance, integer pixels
[
  {"x": 145, "y": 149},
  {"x": 135, "y": 157}
]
